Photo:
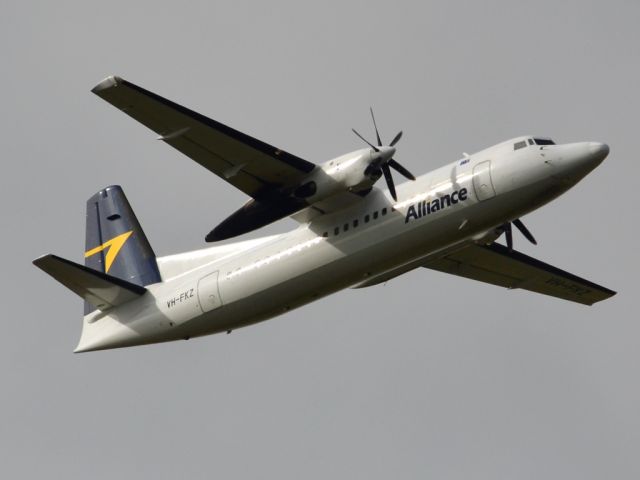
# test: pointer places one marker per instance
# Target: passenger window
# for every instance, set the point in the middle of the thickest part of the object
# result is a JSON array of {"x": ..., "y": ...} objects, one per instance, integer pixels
[
  {"x": 336, "y": 230},
  {"x": 384, "y": 211},
  {"x": 355, "y": 223},
  {"x": 325, "y": 234},
  {"x": 345, "y": 227},
  {"x": 366, "y": 218},
  {"x": 375, "y": 214},
  {"x": 519, "y": 145}
]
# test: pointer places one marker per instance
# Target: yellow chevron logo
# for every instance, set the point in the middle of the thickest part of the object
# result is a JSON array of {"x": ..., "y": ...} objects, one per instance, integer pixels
[{"x": 114, "y": 245}]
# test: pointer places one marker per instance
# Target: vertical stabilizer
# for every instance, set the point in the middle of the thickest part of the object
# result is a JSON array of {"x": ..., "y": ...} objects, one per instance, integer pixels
[{"x": 115, "y": 243}]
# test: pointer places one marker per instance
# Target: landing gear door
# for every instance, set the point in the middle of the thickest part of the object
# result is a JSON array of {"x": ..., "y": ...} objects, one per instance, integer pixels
[
  {"x": 208, "y": 292},
  {"x": 482, "y": 181}
]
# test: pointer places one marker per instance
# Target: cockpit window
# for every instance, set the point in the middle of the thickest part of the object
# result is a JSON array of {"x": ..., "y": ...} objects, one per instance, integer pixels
[
  {"x": 530, "y": 142},
  {"x": 544, "y": 141},
  {"x": 519, "y": 145}
]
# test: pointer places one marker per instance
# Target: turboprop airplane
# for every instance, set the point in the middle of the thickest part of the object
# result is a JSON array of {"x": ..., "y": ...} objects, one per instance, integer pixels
[{"x": 350, "y": 233}]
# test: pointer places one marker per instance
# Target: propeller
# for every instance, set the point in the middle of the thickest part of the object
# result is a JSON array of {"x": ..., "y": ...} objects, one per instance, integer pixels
[
  {"x": 508, "y": 232},
  {"x": 386, "y": 162}
]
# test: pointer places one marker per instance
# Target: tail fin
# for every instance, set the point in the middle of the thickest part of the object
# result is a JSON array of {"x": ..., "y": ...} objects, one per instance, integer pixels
[{"x": 115, "y": 243}]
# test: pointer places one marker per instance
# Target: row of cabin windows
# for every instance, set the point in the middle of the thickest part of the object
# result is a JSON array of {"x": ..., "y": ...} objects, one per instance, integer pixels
[
  {"x": 345, "y": 228},
  {"x": 356, "y": 222}
]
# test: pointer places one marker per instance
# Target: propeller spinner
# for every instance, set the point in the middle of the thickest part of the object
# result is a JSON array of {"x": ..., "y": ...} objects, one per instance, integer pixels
[{"x": 383, "y": 162}]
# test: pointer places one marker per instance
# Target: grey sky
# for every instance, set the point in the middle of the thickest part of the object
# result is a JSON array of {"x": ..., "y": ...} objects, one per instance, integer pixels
[{"x": 426, "y": 377}]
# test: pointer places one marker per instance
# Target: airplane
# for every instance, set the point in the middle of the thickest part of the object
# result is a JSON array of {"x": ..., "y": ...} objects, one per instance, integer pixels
[{"x": 350, "y": 232}]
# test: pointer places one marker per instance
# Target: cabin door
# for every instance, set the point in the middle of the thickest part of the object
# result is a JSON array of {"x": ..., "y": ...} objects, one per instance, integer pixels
[
  {"x": 482, "y": 181},
  {"x": 208, "y": 292}
]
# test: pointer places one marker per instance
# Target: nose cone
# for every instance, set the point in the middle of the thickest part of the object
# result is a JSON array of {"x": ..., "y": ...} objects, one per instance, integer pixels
[
  {"x": 598, "y": 151},
  {"x": 387, "y": 152},
  {"x": 383, "y": 155},
  {"x": 574, "y": 161}
]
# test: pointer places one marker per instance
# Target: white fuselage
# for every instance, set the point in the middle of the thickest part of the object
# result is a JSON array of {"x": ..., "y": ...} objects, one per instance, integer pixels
[{"x": 226, "y": 287}]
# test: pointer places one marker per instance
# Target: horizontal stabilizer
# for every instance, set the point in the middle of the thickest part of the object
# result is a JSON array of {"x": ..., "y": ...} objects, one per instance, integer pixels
[{"x": 99, "y": 289}]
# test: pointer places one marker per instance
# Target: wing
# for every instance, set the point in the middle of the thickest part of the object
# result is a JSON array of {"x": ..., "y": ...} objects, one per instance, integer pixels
[
  {"x": 256, "y": 168},
  {"x": 496, "y": 265},
  {"x": 334, "y": 203}
]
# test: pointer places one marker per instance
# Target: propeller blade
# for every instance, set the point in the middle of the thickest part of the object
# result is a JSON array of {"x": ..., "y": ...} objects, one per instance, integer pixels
[
  {"x": 376, "y": 127},
  {"x": 389, "y": 179},
  {"x": 509, "y": 234},
  {"x": 520, "y": 226},
  {"x": 396, "y": 138},
  {"x": 401, "y": 170},
  {"x": 365, "y": 140}
]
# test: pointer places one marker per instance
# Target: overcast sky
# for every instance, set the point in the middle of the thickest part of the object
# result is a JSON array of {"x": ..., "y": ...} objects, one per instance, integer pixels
[{"x": 428, "y": 376}]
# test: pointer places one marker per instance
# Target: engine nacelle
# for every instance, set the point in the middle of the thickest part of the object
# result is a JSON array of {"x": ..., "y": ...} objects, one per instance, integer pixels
[{"x": 354, "y": 172}]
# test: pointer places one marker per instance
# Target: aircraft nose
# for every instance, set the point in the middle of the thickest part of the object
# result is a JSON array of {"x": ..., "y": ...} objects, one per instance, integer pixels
[
  {"x": 575, "y": 160},
  {"x": 598, "y": 151}
]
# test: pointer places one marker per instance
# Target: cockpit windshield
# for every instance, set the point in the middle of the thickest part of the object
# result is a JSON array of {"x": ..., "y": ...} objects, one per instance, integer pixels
[{"x": 532, "y": 141}]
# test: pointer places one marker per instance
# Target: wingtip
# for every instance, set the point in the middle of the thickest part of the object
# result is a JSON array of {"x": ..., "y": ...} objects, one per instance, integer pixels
[
  {"x": 109, "y": 82},
  {"x": 42, "y": 258}
]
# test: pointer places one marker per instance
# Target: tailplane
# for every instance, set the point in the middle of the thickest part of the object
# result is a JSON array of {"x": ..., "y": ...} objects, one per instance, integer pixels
[
  {"x": 118, "y": 259},
  {"x": 98, "y": 289}
]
